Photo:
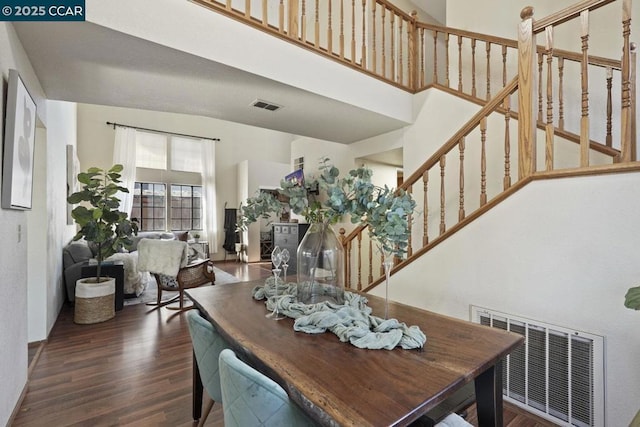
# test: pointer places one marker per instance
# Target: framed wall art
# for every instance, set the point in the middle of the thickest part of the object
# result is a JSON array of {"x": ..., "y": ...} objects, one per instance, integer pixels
[{"x": 19, "y": 142}]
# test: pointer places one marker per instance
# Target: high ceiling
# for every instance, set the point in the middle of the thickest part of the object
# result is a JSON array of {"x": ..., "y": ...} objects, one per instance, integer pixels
[{"x": 86, "y": 63}]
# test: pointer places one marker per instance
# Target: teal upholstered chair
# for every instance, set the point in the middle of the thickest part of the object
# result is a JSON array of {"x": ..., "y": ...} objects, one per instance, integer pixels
[
  {"x": 251, "y": 399},
  {"x": 207, "y": 345}
]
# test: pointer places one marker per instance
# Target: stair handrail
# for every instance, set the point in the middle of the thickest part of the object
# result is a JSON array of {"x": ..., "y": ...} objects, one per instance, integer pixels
[{"x": 500, "y": 100}]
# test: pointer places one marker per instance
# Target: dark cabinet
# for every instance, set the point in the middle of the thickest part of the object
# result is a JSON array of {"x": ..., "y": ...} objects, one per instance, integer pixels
[{"x": 287, "y": 235}]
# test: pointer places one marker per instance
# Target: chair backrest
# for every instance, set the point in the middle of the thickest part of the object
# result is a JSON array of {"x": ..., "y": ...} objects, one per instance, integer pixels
[
  {"x": 207, "y": 345},
  {"x": 162, "y": 256},
  {"x": 252, "y": 399}
]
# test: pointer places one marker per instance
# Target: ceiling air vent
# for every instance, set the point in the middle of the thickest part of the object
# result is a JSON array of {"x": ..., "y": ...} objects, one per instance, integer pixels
[{"x": 265, "y": 105}]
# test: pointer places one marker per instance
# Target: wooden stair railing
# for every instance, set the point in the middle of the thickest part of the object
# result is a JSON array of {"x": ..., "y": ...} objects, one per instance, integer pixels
[
  {"x": 472, "y": 142},
  {"x": 480, "y": 67},
  {"x": 466, "y": 154}
]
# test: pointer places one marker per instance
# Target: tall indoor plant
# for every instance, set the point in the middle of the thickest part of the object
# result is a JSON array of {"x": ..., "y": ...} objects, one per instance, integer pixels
[{"x": 99, "y": 218}]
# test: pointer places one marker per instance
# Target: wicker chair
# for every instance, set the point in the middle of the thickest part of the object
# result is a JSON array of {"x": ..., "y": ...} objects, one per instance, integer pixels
[{"x": 197, "y": 273}]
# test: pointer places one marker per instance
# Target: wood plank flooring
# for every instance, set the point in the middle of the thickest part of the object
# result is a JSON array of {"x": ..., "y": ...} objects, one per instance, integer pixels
[{"x": 133, "y": 370}]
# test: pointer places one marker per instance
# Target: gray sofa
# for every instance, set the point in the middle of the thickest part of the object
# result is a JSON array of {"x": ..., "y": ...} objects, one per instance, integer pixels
[{"x": 77, "y": 254}]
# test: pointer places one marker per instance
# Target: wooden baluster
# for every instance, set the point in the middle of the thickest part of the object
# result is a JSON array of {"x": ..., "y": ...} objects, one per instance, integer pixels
[
  {"x": 584, "y": 120},
  {"x": 609, "y": 138},
  {"x": 461, "y": 213},
  {"x": 540, "y": 62},
  {"x": 411, "y": 51},
  {"x": 341, "y": 239},
  {"x": 459, "y": 63},
  {"x": 393, "y": 45},
  {"x": 473, "y": 67},
  {"x": 526, "y": 97},
  {"x": 370, "y": 278},
  {"x": 409, "y": 222},
  {"x": 446, "y": 50},
  {"x": 317, "y": 25},
  {"x": 504, "y": 65},
  {"x": 425, "y": 209},
  {"x": 342, "y": 29},
  {"x": 359, "y": 261},
  {"x": 435, "y": 58},
  {"x": 633, "y": 57},
  {"x": 422, "y": 59},
  {"x": 384, "y": 42},
  {"x": 228, "y": 5},
  {"x": 353, "y": 31},
  {"x": 381, "y": 265},
  {"x": 561, "y": 93},
  {"x": 507, "y": 144},
  {"x": 293, "y": 19},
  {"x": 488, "y": 50},
  {"x": 400, "y": 67},
  {"x": 625, "y": 115},
  {"x": 549, "y": 127},
  {"x": 483, "y": 161},
  {"x": 348, "y": 263},
  {"x": 281, "y": 17},
  {"x": 247, "y": 8},
  {"x": 303, "y": 23},
  {"x": 265, "y": 14},
  {"x": 364, "y": 27},
  {"x": 374, "y": 57},
  {"x": 329, "y": 29},
  {"x": 443, "y": 227}
]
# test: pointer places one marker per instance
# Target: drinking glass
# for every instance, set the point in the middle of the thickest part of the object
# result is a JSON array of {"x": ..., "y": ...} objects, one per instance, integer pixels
[
  {"x": 285, "y": 262},
  {"x": 276, "y": 259}
]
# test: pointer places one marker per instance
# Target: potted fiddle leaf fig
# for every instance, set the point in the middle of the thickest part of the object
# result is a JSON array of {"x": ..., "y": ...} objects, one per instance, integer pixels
[{"x": 98, "y": 216}]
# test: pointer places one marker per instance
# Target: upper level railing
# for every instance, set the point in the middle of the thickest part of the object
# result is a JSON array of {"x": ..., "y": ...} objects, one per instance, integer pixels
[
  {"x": 372, "y": 36},
  {"x": 486, "y": 151}
]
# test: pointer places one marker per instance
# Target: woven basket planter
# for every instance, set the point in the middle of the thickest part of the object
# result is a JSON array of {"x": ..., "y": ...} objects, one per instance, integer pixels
[{"x": 95, "y": 302}]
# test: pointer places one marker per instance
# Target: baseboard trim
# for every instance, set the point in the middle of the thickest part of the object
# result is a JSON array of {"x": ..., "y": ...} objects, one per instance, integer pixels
[
  {"x": 36, "y": 357},
  {"x": 14, "y": 414}
]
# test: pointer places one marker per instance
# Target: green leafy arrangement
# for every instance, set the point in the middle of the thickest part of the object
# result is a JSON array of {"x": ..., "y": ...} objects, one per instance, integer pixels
[
  {"x": 102, "y": 223},
  {"x": 632, "y": 298},
  {"x": 329, "y": 198}
]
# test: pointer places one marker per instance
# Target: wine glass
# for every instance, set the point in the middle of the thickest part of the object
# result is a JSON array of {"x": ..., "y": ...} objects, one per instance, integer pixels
[
  {"x": 276, "y": 259},
  {"x": 285, "y": 262}
]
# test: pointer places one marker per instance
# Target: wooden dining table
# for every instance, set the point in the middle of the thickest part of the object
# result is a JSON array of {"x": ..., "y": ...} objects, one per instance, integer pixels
[{"x": 338, "y": 384}]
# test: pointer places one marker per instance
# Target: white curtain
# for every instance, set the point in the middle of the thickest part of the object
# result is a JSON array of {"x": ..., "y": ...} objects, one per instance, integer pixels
[
  {"x": 124, "y": 153},
  {"x": 209, "y": 192}
]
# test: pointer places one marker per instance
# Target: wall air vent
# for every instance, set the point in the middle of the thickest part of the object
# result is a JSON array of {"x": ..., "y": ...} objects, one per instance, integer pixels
[
  {"x": 557, "y": 374},
  {"x": 266, "y": 105}
]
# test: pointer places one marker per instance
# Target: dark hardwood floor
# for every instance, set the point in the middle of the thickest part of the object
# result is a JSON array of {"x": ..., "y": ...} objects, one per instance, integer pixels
[{"x": 133, "y": 370}]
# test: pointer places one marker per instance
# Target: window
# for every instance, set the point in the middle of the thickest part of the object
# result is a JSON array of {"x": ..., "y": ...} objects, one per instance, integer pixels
[
  {"x": 186, "y": 207},
  {"x": 168, "y": 189},
  {"x": 150, "y": 206}
]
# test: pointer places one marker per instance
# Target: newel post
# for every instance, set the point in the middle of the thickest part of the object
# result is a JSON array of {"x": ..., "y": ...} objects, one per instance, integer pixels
[{"x": 526, "y": 95}]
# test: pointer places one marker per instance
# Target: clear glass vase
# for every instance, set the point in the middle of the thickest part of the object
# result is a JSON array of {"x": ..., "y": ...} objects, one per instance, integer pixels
[{"x": 320, "y": 266}]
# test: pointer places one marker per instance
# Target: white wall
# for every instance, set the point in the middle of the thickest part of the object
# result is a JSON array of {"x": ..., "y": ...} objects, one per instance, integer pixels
[
  {"x": 48, "y": 229},
  {"x": 237, "y": 143},
  {"x": 61, "y": 131},
  {"x": 562, "y": 252},
  {"x": 13, "y": 244}
]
